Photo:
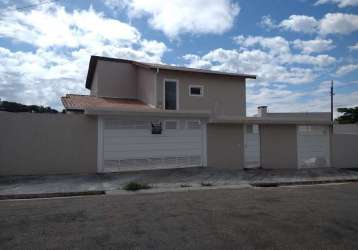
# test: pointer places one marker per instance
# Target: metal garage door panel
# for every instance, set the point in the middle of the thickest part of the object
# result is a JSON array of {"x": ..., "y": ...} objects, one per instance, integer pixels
[
  {"x": 129, "y": 146},
  {"x": 313, "y": 146}
]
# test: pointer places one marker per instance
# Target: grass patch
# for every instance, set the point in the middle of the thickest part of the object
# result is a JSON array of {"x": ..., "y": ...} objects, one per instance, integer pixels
[
  {"x": 206, "y": 184},
  {"x": 135, "y": 186},
  {"x": 185, "y": 185}
]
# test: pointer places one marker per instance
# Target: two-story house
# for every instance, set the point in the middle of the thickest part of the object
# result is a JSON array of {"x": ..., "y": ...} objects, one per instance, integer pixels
[
  {"x": 159, "y": 116},
  {"x": 155, "y": 116}
]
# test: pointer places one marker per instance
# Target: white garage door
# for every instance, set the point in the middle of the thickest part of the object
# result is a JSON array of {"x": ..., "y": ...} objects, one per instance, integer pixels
[
  {"x": 252, "y": 146},
  {"x": 132, "y": 144},
  {"x": 313, "y": 146}
]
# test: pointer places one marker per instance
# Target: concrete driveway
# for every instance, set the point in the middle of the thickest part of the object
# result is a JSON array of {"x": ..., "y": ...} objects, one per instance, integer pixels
[
  {"x": 306, "y": 217},
  {"x": 166, "y": 179}
]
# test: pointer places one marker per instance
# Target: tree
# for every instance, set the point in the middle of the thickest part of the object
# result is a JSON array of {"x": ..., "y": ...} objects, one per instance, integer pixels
[
  {"x": 18, "y": 107},
  {"x": 350, "y": 115}
]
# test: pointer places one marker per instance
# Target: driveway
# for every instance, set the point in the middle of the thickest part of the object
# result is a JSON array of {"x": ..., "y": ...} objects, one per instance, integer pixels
[{"x": 306, "y": 217}]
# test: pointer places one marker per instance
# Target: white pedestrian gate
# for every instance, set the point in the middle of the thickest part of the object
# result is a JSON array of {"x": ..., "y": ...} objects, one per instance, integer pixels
[
  {"x": 252, "y": 146},
  {"x": 313, "y": 146}
]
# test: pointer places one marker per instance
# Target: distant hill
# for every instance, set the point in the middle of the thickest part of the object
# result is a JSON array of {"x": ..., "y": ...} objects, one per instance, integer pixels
[{"x": 18, "y": 107}]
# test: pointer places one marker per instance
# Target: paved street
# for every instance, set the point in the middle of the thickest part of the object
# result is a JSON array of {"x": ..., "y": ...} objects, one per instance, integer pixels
[{"x": 306, "y": 217}]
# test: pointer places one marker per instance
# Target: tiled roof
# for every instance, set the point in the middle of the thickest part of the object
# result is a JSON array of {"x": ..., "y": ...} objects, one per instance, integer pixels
[{"x": 81, "y": 102}]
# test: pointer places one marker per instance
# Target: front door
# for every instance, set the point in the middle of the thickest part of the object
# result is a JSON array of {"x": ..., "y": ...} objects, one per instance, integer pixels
[{"x": 170, "y": 94}]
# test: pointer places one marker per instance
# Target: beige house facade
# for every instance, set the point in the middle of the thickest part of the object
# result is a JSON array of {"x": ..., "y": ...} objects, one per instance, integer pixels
[
  {"x": 132, "y": 99},
  {"x": 142, "y": 116},
  {"x": 201, "y": 116}
]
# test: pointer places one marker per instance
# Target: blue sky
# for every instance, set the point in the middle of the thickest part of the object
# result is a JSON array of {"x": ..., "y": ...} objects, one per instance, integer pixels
[{"x": 294, "y": 47}]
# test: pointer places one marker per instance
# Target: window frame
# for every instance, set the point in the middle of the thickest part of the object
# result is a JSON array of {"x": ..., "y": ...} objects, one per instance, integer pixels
[{"x": 201, "y": 87}]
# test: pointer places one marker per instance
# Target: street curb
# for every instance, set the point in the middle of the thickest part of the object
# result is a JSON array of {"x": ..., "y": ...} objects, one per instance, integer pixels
[
  {"x": 295, "y": 183},
  {"x": 156, "y": 190},
  {"x": 50, "y": 195}
]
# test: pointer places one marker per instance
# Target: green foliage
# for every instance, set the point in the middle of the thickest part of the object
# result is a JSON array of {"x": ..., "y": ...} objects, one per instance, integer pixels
[
  {"x": 134, "y": 186},
  {"x": 350, "y": 115},
  {"x": 18, "y": 107}
]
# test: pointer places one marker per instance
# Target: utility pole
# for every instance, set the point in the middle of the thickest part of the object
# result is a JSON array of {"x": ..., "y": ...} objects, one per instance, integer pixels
[{"x": 332, "y": 94}]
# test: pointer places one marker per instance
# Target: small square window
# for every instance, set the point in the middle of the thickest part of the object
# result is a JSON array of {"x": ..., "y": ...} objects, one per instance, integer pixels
[
  {"x": 249, "y": 129},
  {"x": 196, "y": 90},
  {"x": 252, "y": 129},
  {"x": 193, "y": 124},
  {"x": 171, "y": 125}
]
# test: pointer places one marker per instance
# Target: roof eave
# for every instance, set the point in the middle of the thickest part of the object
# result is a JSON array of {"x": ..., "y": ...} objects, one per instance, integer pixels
[{"x": 149, "y": 112}]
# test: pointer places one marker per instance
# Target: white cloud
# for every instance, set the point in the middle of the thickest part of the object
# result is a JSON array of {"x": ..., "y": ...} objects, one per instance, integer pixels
[
  {"x": 338, "y": 23},
  {"x": 54, "y": 26},
  {"x": 279, "y": 49},
  {"x": 179, "y": 16},
  {"x": 253, "y": 62},
  {"x": 346, "y": 69},
  {"x": 300, "y": 23},
  {"x": 331, "y": 23},
  {"x": 340, "y": 3},
  {"x": 277, "y": 44},
  {"x": 63, "y": 43},
  {"x": 354, "y": 47},
  {"x": 313, "y": 46},
  {"x": 267, "y": 22}
]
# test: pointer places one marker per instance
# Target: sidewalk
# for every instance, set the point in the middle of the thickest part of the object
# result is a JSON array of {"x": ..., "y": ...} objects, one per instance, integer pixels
[{"x": 162, "y": 180}]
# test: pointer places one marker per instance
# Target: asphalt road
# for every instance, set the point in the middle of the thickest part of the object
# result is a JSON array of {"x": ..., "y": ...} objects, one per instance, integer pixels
[{"x": 311, "y": 217}]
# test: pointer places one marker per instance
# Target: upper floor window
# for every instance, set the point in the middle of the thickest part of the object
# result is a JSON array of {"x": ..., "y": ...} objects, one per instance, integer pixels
[
  {"x": 196, "y": 90},
  {"x": 171, "y": 94}
]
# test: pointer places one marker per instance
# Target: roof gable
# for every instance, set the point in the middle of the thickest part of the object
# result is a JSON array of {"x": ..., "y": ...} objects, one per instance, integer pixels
[{"x": 95, "y": 59}]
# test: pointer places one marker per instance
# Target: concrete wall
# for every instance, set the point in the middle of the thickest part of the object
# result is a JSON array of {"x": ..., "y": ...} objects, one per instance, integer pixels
[
  {"x": 345, "y": 150},
  {"x": 223, "y": 95},
  {"x": 278, "y": 146},
  {"x": 116, "y": 79},
  {"x": 345, "y": 129},
  {"x": 320, "y": 116},
  {"x": 146, "y": 85},
  {"x": 225, "y": 146},
  {"x": 94, "y": 86},
  {"x": 40, "y": 144}
]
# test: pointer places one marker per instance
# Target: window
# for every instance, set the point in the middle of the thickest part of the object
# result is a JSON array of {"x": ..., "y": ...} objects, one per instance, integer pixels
[
  {"x": 252, "y": 129},
  {"x": 196, "y": 90},
  {"x": 170, "y": 94},
  {"x": 249, "y": 129},
  {"x": 194, "y": 124},
  {"x": 171, "y": 125}
]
